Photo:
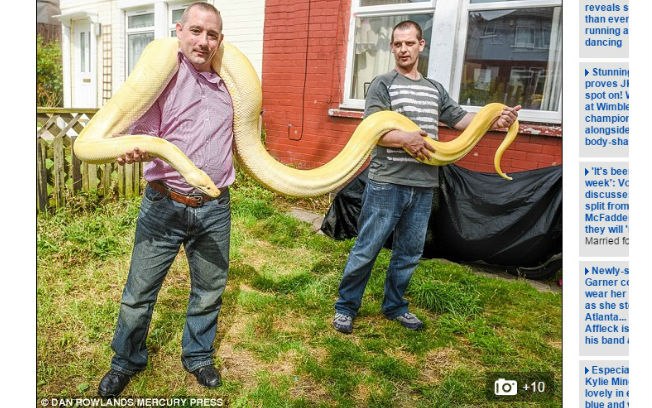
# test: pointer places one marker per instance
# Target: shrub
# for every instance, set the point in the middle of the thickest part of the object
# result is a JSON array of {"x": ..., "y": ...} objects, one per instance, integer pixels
[{"x": 49, "y": 73}]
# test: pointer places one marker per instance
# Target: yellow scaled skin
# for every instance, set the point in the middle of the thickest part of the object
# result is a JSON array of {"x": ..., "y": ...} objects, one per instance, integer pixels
[{"x": 158, "y": 64}]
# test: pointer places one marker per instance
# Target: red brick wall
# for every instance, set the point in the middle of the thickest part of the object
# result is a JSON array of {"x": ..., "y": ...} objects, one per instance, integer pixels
[
  {"x": 304, "y": 58},
  {"x": 527, "y": 152},
  {"x": 304, "y": 62}
]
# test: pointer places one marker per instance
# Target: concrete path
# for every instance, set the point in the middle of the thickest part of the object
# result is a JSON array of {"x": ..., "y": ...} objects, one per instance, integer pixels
[{"x": 306, "y": 216}]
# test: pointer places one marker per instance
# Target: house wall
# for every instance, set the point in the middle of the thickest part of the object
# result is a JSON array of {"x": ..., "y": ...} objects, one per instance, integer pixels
[
  {"x": 304, "y": 62},
  {"x": 243, "y": 27}
]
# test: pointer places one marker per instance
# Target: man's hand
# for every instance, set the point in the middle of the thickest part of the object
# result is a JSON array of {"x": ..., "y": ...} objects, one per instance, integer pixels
[
  {"x": 415, "y": 144},
  {"x": 133, "y": 156},
  {"x": 506, "y": 118}
]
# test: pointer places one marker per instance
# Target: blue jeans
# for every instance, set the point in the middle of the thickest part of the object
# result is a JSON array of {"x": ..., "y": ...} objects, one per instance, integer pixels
[
  {"x": 163, "y": 226},
  {"x": 386, "y": 208}
]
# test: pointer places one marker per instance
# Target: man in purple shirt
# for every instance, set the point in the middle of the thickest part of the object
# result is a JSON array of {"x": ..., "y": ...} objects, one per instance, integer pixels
[{"x": 195, "y": 113}]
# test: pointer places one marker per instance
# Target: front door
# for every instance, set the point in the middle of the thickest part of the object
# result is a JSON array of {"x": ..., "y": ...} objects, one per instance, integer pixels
[{"x": 84, "y": 78}]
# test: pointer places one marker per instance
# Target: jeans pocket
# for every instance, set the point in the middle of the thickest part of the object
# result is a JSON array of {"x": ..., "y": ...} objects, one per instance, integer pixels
[
  {"x": 223, "y": 201},
  {"x": 152, "y": 195},
  {"x": 380, "y": 197},
  {"x": 379, "y": 185}
]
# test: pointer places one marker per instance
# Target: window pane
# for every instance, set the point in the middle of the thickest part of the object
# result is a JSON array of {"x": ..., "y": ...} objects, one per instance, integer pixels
[
  {"x": 372, "y": 52},
  {"x": 176, "y": 15},
  {"x": 84, "y": 51},
  {"x": 490, "y": 1},
  {"x": 513, "y": 57},
  {"x": 364, "y": 3},
  {"x": 136, "y": 44},
  {"x": 140, "y": 20}
]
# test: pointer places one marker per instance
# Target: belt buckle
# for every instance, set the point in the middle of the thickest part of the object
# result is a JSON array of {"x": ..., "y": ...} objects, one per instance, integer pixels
[{"x": 198, "y": 199}]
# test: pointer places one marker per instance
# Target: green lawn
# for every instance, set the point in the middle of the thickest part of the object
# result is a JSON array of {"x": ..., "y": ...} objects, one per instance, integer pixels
[{"x": 275, "y": 345}]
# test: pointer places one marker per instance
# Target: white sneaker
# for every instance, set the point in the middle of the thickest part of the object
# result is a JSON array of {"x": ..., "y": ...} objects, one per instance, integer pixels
[
  {"x": 410, "y": 321},
  {"x": 343, "y": 323}
]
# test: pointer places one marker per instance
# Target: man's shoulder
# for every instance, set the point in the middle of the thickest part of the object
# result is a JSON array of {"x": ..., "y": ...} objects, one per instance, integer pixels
[
  {"x": 433, "y": 82},
  {"x": 386, "y": 78}
]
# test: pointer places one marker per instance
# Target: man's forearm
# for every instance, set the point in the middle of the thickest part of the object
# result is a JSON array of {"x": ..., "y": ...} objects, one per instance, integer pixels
[
  {"x": 393, "y": 138},
  {"x": 413, "y": 142},
  {"x": 507, "y": 117},
  {"x": 464, "y": 122}
]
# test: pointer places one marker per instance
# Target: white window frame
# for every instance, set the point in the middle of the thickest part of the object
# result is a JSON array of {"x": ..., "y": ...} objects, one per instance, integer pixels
[
  {"x": 139, "y": 30},
  {"x": 375, "y": 11},
  {"x": 456, "y": 74},
  {"x": 172, "y": 7},
  {"x": 447, "y": 45}
]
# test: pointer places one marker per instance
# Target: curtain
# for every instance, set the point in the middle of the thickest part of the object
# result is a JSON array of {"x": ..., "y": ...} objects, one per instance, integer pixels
[
  {"x": 372, "y": 50},
  {"x": 552, "y": 87}
]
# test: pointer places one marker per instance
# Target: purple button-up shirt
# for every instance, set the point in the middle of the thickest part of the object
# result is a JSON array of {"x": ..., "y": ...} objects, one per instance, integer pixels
[{"x": 195, "y": 113}]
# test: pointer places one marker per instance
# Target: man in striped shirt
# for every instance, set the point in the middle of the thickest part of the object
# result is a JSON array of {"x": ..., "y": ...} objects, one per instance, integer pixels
[
  {"x": 195, "y": 112},
  {"x": 398, "y": 196}
]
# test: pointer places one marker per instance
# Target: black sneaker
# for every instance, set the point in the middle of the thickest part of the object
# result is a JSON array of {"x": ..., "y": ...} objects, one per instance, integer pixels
[
  {"x": 409, "y": 321},
  {"x": 113, "y": 383},
  {"x": 343, "y": 323},
  {"x": 208, "y": 376}
]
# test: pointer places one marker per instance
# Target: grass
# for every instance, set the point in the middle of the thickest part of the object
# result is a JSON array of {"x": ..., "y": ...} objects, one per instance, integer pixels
[{"x": 275, "y": 346}]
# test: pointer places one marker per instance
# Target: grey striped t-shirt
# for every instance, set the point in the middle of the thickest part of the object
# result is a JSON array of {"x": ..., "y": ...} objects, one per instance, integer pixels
[{"x": 426, "y": 103}]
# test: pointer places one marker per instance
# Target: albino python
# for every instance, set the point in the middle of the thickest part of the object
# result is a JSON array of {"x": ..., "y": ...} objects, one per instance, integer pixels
[{"x": 157, "y": 65}]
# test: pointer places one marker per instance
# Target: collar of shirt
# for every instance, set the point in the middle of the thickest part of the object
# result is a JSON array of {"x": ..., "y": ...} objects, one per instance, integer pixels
[{"x": 210, "y": 76}]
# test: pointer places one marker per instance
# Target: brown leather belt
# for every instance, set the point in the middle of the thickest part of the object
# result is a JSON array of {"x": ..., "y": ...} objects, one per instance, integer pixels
[{"x": 191, "y": 200}]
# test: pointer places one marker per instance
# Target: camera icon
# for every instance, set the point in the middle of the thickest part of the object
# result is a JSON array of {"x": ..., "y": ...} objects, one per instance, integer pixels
[{"x": 505, "y": 387}]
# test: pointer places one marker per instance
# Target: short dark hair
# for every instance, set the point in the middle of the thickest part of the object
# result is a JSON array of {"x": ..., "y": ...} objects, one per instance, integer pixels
[
  {"x": 404, "y": 25},
  {"x": 203, "y": 6}
]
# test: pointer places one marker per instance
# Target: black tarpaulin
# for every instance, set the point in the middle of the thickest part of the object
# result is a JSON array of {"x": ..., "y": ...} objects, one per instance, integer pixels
[{"x": 478, "y": 217}]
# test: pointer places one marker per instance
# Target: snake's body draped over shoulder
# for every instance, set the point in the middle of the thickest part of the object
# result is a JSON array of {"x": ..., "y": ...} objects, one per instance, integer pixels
[{"x": 103, "y": 139}]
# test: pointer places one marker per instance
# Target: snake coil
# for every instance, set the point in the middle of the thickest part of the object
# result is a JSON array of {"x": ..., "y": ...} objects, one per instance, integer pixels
[{"x": 101, "y": 140}]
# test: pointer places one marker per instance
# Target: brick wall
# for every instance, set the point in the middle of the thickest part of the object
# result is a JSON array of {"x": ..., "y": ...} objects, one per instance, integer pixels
[
  {"x": 527, "y": 152},
  {"x": 304, "y": 60},
  {"x": 304, "y": 57}
]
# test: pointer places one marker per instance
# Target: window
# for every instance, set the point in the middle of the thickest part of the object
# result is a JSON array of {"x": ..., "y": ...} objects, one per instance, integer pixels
[
  {"x": 140, "y": 32},
  {"x": 370, "y": 52},
  {"x": 365, "y": 3},
  {"x": 175, "y": 16},
  {"x": 520, "y": 64},
  {"x": 85, "y": 51},
  {"x": 482, "y": 51},
  {"x": 516, "y": 69}
]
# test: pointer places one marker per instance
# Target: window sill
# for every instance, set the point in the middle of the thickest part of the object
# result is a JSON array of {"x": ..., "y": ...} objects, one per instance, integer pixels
[
  {"x": 525, "y": 128},
  {"x": 345, "y": 113}
]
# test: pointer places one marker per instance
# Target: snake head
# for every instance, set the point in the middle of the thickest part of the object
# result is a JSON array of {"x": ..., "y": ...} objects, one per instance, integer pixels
[
  {"x": 202, "y": 182},
  {"x": 211, "y": 190}
]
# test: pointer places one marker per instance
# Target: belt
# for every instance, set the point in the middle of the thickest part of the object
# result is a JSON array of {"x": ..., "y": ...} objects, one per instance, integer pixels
[{"x": 191, "y": 200}]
